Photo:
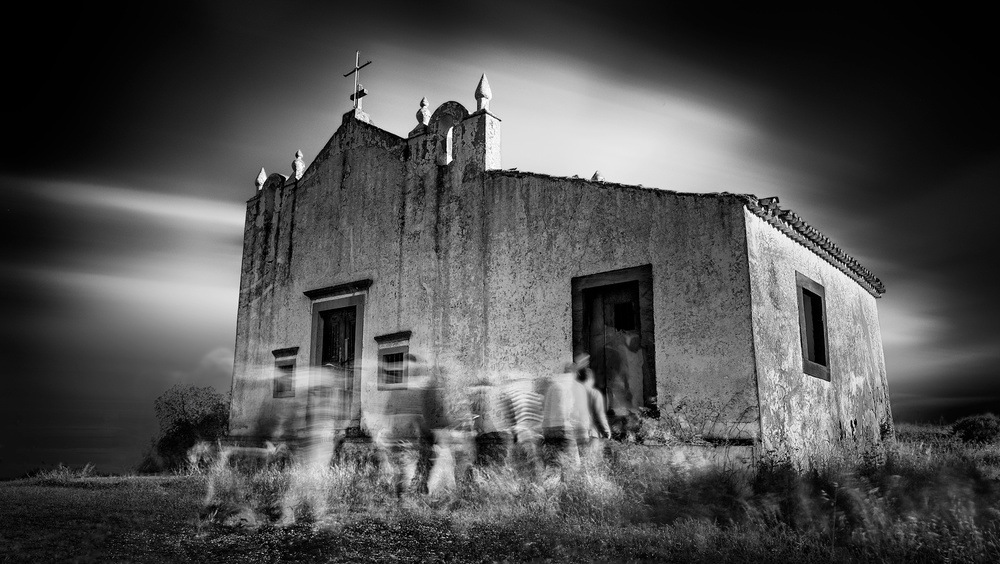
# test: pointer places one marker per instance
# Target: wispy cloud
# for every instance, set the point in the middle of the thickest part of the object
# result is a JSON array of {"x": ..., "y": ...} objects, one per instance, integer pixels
[
  {"x": 128, "y": 291},
  {"x": 171, "y": 208}
]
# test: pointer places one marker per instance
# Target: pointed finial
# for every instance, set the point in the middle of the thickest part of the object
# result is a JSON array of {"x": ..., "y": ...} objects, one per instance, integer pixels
[
  {"x": 483, "y": 94},
  {"x": 261, "y": 179},
  {"x": 298, "y": 165},
  {"x": 598, "y": 176},
  {"x": 423, "y": 114}
]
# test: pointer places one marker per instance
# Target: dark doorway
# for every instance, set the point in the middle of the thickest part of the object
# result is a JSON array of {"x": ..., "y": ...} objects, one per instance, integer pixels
[
  {"x": 330, "y": 392},
  {"x": 613, "y": 323},
  {"x": 336, "y": 357},
  {"x": 613, "y": 313}
]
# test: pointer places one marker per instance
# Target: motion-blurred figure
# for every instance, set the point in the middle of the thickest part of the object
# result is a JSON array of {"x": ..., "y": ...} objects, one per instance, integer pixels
[
  {"x": 227, "y": 497},
  {"x": 317, "y": 442},
  {"x": 625, "y": 365},
  {"x": 565, "y": 417},
  {"x": 406, "y": 427},
  {"x": 525, "y": 414},
  {"x": 492, "y": 424},
  {"x": 454, "y": 453},
  {"x": 591, "y": 443}
]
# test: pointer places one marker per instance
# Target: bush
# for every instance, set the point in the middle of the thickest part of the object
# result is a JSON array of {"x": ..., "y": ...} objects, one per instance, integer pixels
[
  {"x": 62, "y": 473},
  {"x": 187, "y": 415},
  {"x": 983, "y": 428}
]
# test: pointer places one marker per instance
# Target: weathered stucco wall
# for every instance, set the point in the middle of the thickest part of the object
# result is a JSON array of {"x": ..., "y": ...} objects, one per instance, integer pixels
[
  {"x": 337, "y": 224},
  {"x": 543, "y": 231},
  {"x": 371, "y": 206},
  {"x": 477, "y": 263},
  {"x": 803, "y": 417}
]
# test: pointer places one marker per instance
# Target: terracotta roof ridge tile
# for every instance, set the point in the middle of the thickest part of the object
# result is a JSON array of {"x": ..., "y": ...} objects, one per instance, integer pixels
[{"x": 789, "y": 223}]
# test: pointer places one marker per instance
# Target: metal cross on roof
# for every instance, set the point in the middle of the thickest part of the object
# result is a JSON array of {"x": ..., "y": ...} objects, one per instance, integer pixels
[{"x": 359, "y": 90}]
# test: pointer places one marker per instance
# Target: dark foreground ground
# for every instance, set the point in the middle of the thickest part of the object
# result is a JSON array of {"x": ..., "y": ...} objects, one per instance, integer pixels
[
  {"x": 936, "y": 500},
  {"x": 145, "y": 519},
  {"x": 150, "y": 519}
]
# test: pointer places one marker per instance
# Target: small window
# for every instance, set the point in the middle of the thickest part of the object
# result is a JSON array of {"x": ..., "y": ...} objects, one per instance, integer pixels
[
  {"x": 284, "y": 378},
  {"x": 812, "y": 327},
  {"x": 393, "y": 360},
  {"x": 392, "y": 368}
]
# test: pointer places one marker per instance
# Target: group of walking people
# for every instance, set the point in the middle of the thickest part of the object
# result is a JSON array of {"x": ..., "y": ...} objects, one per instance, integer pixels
[
  {"x": 529, "y": 423},
  {"x": 560, "y": 420}
]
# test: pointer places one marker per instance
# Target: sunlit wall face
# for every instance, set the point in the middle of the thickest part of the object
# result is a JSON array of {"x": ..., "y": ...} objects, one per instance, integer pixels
[{"x": 137, "y": 147}]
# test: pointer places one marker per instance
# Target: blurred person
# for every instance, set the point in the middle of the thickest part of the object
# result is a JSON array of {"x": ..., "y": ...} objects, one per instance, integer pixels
[
  {"x": 616, "y": 378},
  {"x": 591, "y": 442},
  {"x": 227, "y": 496},
  {"x": 492, "y": 423},
  {"x": 318, "y": 441},
  {"x": 524, "y": 405},
  {"x": 406, "y": 426},
  {"x": 454, "y": 452},
  {"x": 626, "y": 372},
  {"x": 565, "y": 417},
  {"x": 450, "y": 452}
]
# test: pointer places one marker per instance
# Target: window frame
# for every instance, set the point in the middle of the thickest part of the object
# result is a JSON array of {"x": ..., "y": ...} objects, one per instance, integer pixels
[
  {"x": 811, "y": 367},
  {"x": 395, "y": 343},
  {"x": 383, "y": 383},
  {"x": 284, "y": 369}
]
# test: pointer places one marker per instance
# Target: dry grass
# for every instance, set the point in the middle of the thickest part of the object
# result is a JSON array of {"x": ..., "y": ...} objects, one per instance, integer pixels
[{"x": 934, "y": 500}]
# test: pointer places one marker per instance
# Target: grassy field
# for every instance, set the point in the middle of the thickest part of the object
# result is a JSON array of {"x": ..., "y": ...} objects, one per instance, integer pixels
[{"x": 935, "y": 500}]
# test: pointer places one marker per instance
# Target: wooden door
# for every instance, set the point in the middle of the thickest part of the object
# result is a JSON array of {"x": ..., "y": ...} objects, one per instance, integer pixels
[
  {"x": 613, "y": 325},
  {"x": 330, "y": 394}
]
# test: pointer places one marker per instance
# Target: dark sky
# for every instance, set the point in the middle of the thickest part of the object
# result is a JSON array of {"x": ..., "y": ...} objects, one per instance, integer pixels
[{"x": 133, "y": 137}]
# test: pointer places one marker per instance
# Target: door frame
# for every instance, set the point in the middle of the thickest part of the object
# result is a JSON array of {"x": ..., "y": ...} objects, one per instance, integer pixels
[
  {"x": 326, "y": 303},
  {"x": 644, "y": 276}
]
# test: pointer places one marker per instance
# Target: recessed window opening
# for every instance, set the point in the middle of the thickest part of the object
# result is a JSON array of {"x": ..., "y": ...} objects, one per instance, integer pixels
[
  {"x": 445, "y": 149},
  {"x": 812, "y": 327},
  {"x": 284, "y": 372},
  {"x": 394, "y": 360},
  {"x": 284, "y": 378},
  {"x": 393, "y": 366},
  {"x": 445, "y": 128},
  {"x": 815, "y": 345}
]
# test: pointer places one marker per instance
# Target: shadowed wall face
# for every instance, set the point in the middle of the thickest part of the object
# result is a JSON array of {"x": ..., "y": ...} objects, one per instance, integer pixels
[
  {"x": 545, "y": 231},
  {"x": 807, "y": 414}
]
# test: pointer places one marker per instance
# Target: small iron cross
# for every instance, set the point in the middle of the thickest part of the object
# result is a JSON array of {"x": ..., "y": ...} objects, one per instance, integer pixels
[{"x": 359, "y": 91}]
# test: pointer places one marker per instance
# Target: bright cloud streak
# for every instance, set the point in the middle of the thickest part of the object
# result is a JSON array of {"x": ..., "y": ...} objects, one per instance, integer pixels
[
  {"x": 167, "y": 298},
  {"x": 174, "y": 209}
]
